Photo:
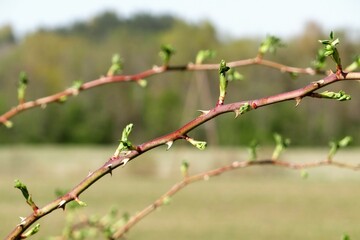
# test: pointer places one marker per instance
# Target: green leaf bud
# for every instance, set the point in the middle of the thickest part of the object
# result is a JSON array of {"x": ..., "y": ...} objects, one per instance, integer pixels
[
  {"x": 116, "y": 65},
  {"x": 166, "y": 52},
  {"x": 32, "y": 231},
  {"x": 184, "y": 168},
  {"x": 201, "y": 145}
]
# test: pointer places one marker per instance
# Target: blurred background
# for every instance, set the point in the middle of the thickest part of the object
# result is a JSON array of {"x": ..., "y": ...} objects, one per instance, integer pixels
[{"x": 58, "y": 43}]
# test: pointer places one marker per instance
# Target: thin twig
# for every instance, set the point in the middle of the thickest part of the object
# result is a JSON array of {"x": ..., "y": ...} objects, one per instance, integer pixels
[
  {"x": 180, "y": 133},
  {"x": 216, "y": 172},
  {"x": 5, "y": 117}
]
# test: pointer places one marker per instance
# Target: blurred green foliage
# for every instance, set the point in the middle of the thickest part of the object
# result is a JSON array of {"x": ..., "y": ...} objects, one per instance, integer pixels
[{"x": 54, "y": 58}]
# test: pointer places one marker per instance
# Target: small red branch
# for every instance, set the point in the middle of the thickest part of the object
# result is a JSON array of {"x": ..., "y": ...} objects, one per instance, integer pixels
[
  {"x": 216, "y": 172},
  {"x": 145, "y": 74},
  {"x": 180, "y": 133}
]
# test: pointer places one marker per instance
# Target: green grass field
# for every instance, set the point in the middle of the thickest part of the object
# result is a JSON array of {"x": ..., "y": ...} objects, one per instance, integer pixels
[{"x": 254, "y": 203}]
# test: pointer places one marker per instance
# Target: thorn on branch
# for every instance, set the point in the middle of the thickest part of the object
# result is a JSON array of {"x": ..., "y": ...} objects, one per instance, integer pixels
[
  {"x": 22, "y": 221},
  {"x": 109, "y": 166},
  {"x": 204, "y": 112},
  {"x": 169, "y": 144},
  {"x": 125, "y": 161},
  {"x": 297, "y": 100}
]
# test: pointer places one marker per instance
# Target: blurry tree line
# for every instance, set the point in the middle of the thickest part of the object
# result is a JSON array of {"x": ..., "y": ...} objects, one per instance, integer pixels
[{"x": 54, "y": 58}]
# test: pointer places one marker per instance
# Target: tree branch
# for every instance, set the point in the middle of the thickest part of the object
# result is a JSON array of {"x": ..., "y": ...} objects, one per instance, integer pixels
[
  {"x": 180, "y": 133},
  {"x": 216, "y": 172},
  {"x": 22, "y": 106}
]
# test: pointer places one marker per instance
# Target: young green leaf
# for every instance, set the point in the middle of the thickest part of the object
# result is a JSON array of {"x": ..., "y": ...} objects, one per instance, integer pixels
[
  {"x": 116, "y": 65},
  {"x": 166, "y": 52},
  {"x": 8, "y": 124},
  {"x": 340, "y": 96},
  {"x": 252, "y": 149},
  {"x": 184, "y": 169},
  {"x": 233, "y": 75},
  {"x": 320, "y": 60},
  {"x": 329, "y": 49},
  {"x": 304, "y": 174},
  {"x": 201, "y": 145},
  {"x": 270, "y": 44},
  {"x": 345, "y": 237},
  {"x": 76, "y": 87},
  {"x": 22, "y": 187},
  {"x": 345, "y": 141},
  {"x": 336, "y": 145},
  {"x": 142, "y": 82},
  {"x": 294, "y": 75},
  {"x": 63, "y": 99},
  {"x": 243, "y": 109},
  {"x": 124, "y": 144},
  {"x": 204, "y": 55},
  {"x": 32, "y": 231},
  {"x": 81, "y": 203},
  {"x": 354, "y": 65},
  {"x": 166, "y": 200},
  {"x": 281, "y": 144},
  {"x": 22, "y": 84},
  {"x": 119, "y": 223},
  {"x": 223, "y": 81}
]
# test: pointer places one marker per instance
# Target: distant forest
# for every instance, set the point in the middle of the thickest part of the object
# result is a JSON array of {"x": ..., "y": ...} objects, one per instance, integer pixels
[{"x": 54, "y": 58}]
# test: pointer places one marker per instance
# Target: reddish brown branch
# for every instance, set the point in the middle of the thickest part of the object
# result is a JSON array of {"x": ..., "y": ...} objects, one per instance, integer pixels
[
  {"x": 115, "y": 162},
  {"x": 215, "y": 172},
  {"x": 4, "y": 118}
]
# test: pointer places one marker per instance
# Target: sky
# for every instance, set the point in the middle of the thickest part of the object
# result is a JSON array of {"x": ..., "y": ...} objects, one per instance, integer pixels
[{"x": 234, "y": 18}]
